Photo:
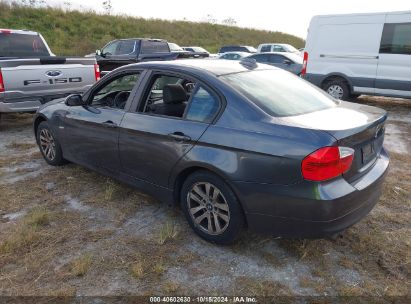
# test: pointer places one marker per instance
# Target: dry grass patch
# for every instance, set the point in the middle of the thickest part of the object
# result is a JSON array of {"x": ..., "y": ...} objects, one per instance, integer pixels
[
  {"x": 167, "y": 232},
  {"x": 81, "y": 265},
  {"x": 258, "y": 287},
  {"x": 171, "y": 287},
  {"x": 137, "y": 270},
  {"x": 37, "y": 217},
  {"x": 21, "y": 145}
]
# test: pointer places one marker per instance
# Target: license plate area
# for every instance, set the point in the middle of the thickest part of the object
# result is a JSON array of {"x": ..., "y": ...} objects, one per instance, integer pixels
[{"x": 368, "y": 152}]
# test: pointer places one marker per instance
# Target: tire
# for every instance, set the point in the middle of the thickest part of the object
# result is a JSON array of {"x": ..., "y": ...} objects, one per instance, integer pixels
[
  {"x": 49, "y": 146},
  {"x": 223, "y": 209},
  {"x": 338, "y": 88}
]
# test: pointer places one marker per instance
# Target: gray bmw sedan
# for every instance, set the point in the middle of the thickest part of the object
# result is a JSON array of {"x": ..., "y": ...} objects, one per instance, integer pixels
[{"x": 235, "y": 144}]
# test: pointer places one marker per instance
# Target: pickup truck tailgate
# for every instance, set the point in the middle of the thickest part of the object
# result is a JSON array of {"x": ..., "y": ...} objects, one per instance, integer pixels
[{"x": 46, "y": 78}]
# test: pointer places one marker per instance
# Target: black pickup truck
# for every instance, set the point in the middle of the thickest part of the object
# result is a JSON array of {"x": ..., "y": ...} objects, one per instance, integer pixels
[{"x": 120, "y": 52}]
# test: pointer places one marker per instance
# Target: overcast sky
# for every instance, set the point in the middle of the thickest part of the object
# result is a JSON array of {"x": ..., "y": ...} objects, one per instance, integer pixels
[{"x": 286, "y": 16}]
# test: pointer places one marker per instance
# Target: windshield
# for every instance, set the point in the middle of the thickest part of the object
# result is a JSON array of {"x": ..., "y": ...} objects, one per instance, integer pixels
[
  {"x": 175, "y": 47},
  {"x": 20, "y": 45},
  {"x": 199, "y": 49},
  {"x": 290, "y": 48},
  {"x": 251, "y": 49},
  {"x": 280, "y": 93}
]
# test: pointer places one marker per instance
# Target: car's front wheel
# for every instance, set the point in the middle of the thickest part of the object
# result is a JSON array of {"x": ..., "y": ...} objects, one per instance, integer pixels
[
  {"x": 49, "y": 146},
  {"x": 211, "y": 208}
]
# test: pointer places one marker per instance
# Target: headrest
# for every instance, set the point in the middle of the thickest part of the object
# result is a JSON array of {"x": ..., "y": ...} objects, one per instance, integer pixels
[{"x": 174, "y": 94}]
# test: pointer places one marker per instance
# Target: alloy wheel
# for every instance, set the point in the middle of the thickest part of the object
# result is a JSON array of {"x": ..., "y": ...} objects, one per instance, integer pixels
[
  {"x": 208, "y": 208},
  {"x": 336, "y": 91},
  {"x": 47, "y": 144}
]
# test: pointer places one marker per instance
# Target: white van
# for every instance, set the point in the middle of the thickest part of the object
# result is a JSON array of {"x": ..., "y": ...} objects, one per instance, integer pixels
[{"x": 349, "y": 55}]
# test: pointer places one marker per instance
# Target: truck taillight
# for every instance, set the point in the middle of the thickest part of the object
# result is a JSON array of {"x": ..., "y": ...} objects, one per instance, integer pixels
[
  {"x": 326, "y": 163},
  {"x": 1, "y": 83},
  {"x": 97, "y": 72},
  {"x": 305, "y": 61}
]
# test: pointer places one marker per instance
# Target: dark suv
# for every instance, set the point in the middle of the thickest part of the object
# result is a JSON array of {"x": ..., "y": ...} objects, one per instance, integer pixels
[{"x": 237, "y": 48}]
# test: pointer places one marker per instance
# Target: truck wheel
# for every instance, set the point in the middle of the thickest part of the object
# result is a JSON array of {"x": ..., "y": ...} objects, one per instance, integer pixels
[
  {"x": 49, "y": 146},
  {"x": 211, "y": 208},
  {"x": 337, "y": 88}
]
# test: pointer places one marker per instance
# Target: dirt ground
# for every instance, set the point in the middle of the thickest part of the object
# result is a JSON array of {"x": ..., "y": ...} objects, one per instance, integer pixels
[{"x": 69, "y": 231}]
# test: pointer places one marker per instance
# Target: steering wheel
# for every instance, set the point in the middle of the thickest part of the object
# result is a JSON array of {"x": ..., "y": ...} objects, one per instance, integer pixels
[{"x": 121, "y": 99}]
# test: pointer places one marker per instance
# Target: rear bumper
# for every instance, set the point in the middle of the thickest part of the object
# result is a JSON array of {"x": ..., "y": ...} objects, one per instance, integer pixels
[
  {"x": 23, "y": 106},
  {"x": 28, "y": 103},
  {"x": 312, "y": 210}
]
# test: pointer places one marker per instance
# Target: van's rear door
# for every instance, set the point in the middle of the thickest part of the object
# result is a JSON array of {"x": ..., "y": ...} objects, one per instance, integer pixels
[{"x": 394, "y": 67}]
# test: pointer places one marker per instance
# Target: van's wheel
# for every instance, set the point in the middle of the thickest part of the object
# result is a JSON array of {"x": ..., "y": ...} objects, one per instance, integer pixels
[
  {"x": 211, "y": 208},
  {"x": 49, "y": 146},
  {"x": 337, "y": 88}
]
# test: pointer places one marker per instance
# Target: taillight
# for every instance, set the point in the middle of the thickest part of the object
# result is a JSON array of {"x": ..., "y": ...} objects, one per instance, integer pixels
[
  {"x": 5, "y": 31},
  {"x": 97, "y": 72},
  {"x": 326, "y": 163},
  {"x": 305, "y": 61},
  {"x": 1, "y": 83}
]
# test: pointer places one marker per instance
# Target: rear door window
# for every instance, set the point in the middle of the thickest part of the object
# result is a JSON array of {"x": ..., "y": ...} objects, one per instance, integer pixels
[
  {"x": 21, "y": 45},
  {"x": 203, "y": 106},
  {"x": 396, "y": 39},
  {"x": 277, "y": 58},
  {"x": 262, "y": 58}
]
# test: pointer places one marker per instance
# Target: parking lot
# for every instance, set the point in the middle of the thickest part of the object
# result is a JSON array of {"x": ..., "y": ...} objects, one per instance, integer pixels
[{"x": 69, "y": 231}]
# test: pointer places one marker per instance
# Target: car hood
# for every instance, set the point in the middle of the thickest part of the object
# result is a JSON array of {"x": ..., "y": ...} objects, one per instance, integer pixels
[{"x": 341, "y": 121}]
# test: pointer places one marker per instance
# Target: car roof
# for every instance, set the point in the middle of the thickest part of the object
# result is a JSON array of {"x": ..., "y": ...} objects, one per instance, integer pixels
[
  {"x": 216, "y": 67},
  {"x": 23, "y": 32},
  {"x": 236, "y": 52},
  {"x": 289, "y": 55},
  {"x": 149, "y": 39},
  {"x": 273, "y": 43}
]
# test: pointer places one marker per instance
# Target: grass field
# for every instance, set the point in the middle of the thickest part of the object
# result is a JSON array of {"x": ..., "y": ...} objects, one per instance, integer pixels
[{"x": 80, "y": 33}]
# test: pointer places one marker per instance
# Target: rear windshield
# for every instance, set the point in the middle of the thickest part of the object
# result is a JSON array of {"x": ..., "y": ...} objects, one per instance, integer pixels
[
  {"x": 294, "y": 57},
  {"x": 280, "y": 93},
  {"x": 150, "y": 46},
  {"x": 20, "y": 45}
]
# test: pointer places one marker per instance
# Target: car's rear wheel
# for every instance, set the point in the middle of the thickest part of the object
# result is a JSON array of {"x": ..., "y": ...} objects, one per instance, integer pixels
[
  {"x": 211, "y": 208},
  {"x": 49, "y": 146}
]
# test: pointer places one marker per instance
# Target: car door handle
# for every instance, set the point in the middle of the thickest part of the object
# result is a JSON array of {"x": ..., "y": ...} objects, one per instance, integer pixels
[
  {"x": 179, "y": 136},
  {"x": 109, "y": 124}
]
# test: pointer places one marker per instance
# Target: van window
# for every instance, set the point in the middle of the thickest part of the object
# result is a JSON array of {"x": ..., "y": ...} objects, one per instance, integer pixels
[{"x": 396, "y": 39}]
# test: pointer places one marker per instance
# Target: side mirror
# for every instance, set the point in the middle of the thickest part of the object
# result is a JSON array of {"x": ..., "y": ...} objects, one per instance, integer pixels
[
  {"x": 74, "y": 100},
  {"x": 98, "y": 52},
  {"x": 286, "y": 61}
]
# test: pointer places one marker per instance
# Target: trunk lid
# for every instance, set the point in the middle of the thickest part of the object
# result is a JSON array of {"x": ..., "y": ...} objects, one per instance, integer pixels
[{"x": 357, "y": 126}]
